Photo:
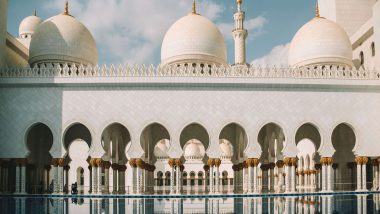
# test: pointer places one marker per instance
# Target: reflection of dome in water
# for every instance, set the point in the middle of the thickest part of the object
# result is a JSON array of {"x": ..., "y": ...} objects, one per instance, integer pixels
[
  {"x": 194, "y": 150},
  {"x": 227, "y": 149},
  {"x": 161, "y": 149}
]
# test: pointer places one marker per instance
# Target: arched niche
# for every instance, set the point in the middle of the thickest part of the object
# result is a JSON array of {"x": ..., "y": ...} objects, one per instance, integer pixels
[
  {"x": 271, "y": 139},
  {"x": 236, "y": 135},
  {"x": 115, "y": 138},
  {"x": 152, "y": 135}
]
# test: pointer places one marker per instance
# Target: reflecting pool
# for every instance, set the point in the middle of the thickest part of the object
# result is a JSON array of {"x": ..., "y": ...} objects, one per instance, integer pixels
[{"x": 365, "y": 203}]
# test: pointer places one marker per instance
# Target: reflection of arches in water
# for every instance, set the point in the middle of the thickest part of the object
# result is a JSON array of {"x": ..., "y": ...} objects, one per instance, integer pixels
[
  {"x": 167, "y": 178},
  {"x": 343, "y": 139}
]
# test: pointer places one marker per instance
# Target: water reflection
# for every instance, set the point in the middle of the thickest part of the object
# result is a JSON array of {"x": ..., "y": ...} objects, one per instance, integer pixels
[{"x": 299, "y": 204}]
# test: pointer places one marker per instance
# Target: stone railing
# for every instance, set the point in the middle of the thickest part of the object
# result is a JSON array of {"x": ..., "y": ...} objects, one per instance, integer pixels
[{"x": 185, "y": 70}]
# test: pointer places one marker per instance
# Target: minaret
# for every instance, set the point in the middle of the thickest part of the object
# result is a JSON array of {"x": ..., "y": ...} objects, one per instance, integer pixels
[
  {"x": 3, "y": 31},
  {"x": 240, "y": 34}
]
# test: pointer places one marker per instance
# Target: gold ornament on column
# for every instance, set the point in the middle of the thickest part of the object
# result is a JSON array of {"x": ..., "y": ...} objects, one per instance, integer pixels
[
  {"x": 55, "y": 162},
  {"x": 217, "y": 162},
  {"x": 61, "y": 162},
  {"x": 132, "y": 162},
  {"x": 178, "y": 162},
  {"x": 171, "y": 162},
  {"x": 99, "y": 162},
  {"x": 365, "y": 160},
  {"x": 359, "y": 160},
  {"x": 255, "y": 161},
  {"x": 287, "y": 161},
  {"x": 330, "y": 160},
  {"x": 294, "y": 161},
  {"x": 139, "y": 163},
  {"x": 93, "y": 162},
  {"x": 210, "y": 162}
]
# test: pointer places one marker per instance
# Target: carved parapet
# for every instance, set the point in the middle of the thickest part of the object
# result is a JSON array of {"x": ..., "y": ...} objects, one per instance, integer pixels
[{"x": 189, "y": 70}]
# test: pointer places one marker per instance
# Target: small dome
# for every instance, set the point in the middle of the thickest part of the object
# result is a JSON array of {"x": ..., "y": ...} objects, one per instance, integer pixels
[
  {"x": 63, "y": 39},
  {"x": 160, "y": 150},
  {"x": 320, "y": 42},
  {"x": 194, "y": 150},
  {"x": 193, "y": 39},
  {"x": 227, "y": 149},
  {"x": 29, "y": 25}
]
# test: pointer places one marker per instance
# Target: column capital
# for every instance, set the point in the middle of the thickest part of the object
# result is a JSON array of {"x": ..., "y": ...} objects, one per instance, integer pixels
[
  {"x": 293, "y": 161},
  {"x": 280, "y": 163},
  {"x": 61, "y": 162},
  {"x": 99, "y": 162},
  {"x": 217, "y": 162},
  {"x": 133, "y": 163},
  {"x": 66, "y": 168},
  {"x": 211, "y": 162},
  {"x": 171, "y": 162},
  {"x": 115, "y": 166},
  {"x": 47, "y": 167},
  {"x": 106, "y": 164},
  {"x": 93, "y": 162},
  {"x": 55, "y": 162},
  {"x": 140, "y": 163},
  {"x": 178, "y": 162},
  {"x": 287, "y": 161},
  {"x": 21, "y": 161},
  {"x": 122, "y": 168}
]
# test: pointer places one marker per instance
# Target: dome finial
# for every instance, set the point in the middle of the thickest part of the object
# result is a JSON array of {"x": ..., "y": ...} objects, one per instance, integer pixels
[
  {"x": 66, "y": 12},
  {"x": 239, "y": 2},
  {"x": 34, "y": 12},
  {"x": 317, "y": 10},
  {"x": 194, "y": 9}
]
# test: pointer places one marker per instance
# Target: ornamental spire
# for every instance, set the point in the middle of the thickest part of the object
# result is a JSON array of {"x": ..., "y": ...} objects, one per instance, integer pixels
[
  {"x": 34, "y": 12},
  {"x": 66, "y": 12},
  {"x": 317, "y": 10},
  {"x": 239, "y": 2},
  {"x": 194, "y": 9}
]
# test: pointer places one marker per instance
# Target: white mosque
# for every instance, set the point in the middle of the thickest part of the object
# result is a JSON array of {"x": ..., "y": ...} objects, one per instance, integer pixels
[{"x": 194, "y": 124}]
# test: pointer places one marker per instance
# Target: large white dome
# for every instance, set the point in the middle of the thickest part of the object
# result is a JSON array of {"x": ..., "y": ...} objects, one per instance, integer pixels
[
  {"x": 320, "y": 42},
  {"x": 193, "y": 39},
  {"x": 29, "y": 25},
  {"x": 161, "y": 149},
  {"x": 63, "y": 39}
]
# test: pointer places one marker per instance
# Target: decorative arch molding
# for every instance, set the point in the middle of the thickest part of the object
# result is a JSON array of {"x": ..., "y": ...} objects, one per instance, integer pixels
[
  {"x": 26, "y": 129},
  {"x": 314, "y": 125},
  {"x": 84, "y": 122},
  {"x": 234, "y": 142},
  {"x": 352, "y": 126}
]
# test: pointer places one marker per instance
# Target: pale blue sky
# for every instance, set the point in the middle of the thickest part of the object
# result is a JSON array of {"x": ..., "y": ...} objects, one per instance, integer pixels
[{"x": 132, "y": 30}]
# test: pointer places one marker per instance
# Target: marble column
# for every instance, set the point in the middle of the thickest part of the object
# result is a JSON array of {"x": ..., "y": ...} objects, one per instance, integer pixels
[
  {"x": 211, "y": 164},
  {"x": 55, "y": 175},
  {"x": 1, "y": 176},
  {"x": 94, "y": 174},
  {"x": 178, "y": 164},
  {"x": 374, "y": 174},
  {"x": 107, "y": 166},
  {"x": 66, "y": 171},
  {"x": 378, "y": 174},
  {"x": 255, "y": 163},
  {"x": 17, "y": 183},
  {"x": 139, "y": 172},
  {"x": 171, "y": 163},
  {"x": 324, "y": 173},
  {"x": 293, "y": 174},
  {"x": 60, "y": 175},
  {"x": 287, "y": 162},
  {"x": 280, "y": 175},
  {"x": 114, "y": 167},
  {"x": 99, "y": 164},
  {"x": 364, "y": 174},
  {"x": 121, "y": 184},
  {"x": 359, "y": 162},
  {"x": 250, "y": 176},
  {"x": 244, "y": 177},
  {"x": 330, "y": 177},
  {"x": 217, "y": 176}
]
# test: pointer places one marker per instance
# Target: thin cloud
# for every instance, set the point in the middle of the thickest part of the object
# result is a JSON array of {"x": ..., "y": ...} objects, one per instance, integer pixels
[{"x": 277, "y": 56}]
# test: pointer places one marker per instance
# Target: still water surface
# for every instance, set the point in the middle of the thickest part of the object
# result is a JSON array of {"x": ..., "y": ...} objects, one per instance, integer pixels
[{"x": 300, "y": 204}]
